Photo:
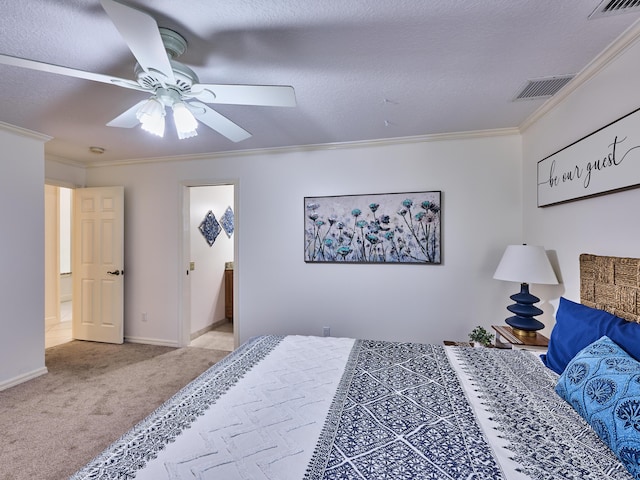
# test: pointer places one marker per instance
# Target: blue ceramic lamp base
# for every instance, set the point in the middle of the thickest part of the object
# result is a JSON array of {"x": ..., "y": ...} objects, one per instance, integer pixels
[{"x": 523, "y": 322}]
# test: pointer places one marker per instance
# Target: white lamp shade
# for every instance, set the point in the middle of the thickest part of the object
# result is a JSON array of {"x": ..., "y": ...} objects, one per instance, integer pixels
[
  {"x": 154, "y": 125},
  {"x": 525, "y": 264},
  {"x": 152, "y": 108},
  {"x": 186, "y": 124},
  {"x": 151, "y": 116}
]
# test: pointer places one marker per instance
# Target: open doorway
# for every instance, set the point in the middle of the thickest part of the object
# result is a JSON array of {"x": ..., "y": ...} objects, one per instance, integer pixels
[
  {"x": 211, "y": 266},
  {"x": 58, "y": 276}
]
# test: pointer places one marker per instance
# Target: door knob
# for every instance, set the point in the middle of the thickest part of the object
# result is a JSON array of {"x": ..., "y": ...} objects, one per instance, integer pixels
[{"x": 116, "y": 272}]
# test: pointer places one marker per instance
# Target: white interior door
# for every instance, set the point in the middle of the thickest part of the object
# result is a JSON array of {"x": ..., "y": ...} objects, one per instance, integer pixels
[{"x": 98, "y": 264}]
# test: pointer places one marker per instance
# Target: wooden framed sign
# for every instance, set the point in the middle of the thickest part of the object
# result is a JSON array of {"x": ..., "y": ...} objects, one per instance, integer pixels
[{"x": 604, "y": 161}]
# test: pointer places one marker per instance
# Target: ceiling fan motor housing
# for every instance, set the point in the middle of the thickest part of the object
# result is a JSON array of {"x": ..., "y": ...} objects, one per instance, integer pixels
[
  {"x": 152, "y": 80},
  {"x": 174, "y": 43}
]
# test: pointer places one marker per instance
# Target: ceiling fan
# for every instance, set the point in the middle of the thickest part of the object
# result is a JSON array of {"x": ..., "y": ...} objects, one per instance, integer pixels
[{"x": 170, "y": 83}]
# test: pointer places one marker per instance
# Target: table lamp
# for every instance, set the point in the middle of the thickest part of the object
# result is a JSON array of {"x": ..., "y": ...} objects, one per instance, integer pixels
[{"x": 525, "y": 264}]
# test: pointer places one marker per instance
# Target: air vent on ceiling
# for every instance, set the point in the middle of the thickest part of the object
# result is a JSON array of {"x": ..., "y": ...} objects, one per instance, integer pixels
[
  {"x": 542, "y": 87},
  {"x": 614, "y": 7}
]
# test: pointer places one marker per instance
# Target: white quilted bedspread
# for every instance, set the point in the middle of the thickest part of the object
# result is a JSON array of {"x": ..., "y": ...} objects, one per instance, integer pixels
[{"x": 276, "y": 415}]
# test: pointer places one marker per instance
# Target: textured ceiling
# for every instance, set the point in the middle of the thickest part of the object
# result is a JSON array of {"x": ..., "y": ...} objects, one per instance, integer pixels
[{"x": 361, "y": 69}]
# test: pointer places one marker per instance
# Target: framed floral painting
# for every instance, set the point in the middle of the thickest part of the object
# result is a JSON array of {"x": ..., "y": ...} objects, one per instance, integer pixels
[{"x": 374, "y": 228}]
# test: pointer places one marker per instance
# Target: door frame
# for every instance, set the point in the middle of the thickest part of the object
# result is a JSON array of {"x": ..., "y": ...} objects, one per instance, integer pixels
[{"x": 184, "y": 254}]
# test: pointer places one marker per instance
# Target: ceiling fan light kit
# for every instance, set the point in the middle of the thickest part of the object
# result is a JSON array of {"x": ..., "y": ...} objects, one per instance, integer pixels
[
  {"x": 152, "y": 112},
  {"x": 185, "y": 122},
  {"x": 170, "y": 83},
  {"x": 151, "y": 116}
]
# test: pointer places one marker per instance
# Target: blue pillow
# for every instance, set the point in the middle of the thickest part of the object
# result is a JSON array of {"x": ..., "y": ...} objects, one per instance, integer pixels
[
  {"x": 578, "y": 326},
  {"x": 602, "y": 383}
]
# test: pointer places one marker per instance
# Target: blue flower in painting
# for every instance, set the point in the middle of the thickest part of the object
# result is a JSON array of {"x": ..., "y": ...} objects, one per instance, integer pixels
[
  {"x": 407, "y": 203},
  {"x": 386, "y": 219},
  {"x": 372, "y": 238},
  {"x": 344, "y": 251},
  {"x": 328, "y": 242},
  {"x": 577, "y": 372},
  {"x": 426, "y": 204},
  {"x": 313, "y": 206},
  {"x": 600, "y": 390},
  {"x": 313, "y": 216},
  {"x": 361, "y": 223},
  {"x": 388, "y": 235},
  {"x": 374, "y": 207},
  {"x": 420, "y": 215},
  {"x": 356, "y": 212},
  {"x": 332, "y": 220},
  {"x": 629, "y": 412},
  {"x": 402, "y": 212},
  {"x": 341, "y": 225},
  {"x": 319, "y": 223}
]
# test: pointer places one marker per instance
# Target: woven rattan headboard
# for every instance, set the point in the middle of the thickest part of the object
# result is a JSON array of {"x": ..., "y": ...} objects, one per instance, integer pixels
[{"x": 611, "y": 284}]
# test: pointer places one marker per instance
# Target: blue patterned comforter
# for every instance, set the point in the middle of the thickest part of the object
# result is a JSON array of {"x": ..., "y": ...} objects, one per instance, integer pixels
[{"x": 394, "y": 411}]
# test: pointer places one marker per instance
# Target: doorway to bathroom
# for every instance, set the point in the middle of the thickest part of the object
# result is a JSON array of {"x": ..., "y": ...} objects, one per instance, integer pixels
[{"x": 211, "y": 266}]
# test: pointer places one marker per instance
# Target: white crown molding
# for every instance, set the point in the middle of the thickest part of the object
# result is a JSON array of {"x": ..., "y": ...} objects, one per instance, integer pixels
[
  {"x": 23, "y": 132},
  {"x": 616, "y": 48},
  {"x": 317, "y": 147}
]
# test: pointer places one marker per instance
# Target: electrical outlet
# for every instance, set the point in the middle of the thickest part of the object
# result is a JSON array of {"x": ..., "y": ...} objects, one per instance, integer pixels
[{"x": 326, "y": 331}]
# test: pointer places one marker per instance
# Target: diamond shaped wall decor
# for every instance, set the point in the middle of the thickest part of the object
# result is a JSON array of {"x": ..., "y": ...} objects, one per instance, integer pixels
[
  {"x": 227, "y": 222},
  {"x": 210, "y": 228}
]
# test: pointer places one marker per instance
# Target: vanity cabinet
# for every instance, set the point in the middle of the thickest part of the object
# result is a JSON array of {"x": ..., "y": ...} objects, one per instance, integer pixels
[{"x": 228, "y": 294}]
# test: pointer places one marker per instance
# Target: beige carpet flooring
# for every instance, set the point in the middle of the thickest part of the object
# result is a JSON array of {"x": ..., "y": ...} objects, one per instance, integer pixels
[{"x": 53, "y": 425}]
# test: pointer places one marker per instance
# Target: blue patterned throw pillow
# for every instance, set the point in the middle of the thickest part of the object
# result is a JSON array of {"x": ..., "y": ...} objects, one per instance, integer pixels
[{"x": 602, "y": 383}]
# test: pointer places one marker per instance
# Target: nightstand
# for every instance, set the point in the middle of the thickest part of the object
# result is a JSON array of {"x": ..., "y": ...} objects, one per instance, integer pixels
[
  {"x": 505, "y": 338},
  {"x": 450, "y": 343}
]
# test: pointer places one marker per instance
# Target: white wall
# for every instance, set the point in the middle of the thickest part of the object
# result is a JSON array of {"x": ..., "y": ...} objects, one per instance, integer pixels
[
  {"x": 21, "y": 255},
  {"x": 605, "y": 225},
  {"x": 207, "y": 280},
  {"x": 278, "y": 292}
]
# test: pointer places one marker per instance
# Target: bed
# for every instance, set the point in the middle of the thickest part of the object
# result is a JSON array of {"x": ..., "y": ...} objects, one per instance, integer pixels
[{"x": 297, "y": 407}]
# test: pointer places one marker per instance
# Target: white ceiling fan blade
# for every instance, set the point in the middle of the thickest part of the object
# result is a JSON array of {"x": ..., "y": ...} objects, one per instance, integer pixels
[
  {"x": 69, "y": 72},
  {"x": 127, "y": 119},
  {"x": 140, "y": 32},
  {"x": 262, "y": 95},
  {"x": 218, "y": 122}
]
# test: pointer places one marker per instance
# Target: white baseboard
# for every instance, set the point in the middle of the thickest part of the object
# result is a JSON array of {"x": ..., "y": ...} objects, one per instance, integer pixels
[
  {"x": 151, "y": 341},
  {"x": 12, "y": 382}
]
